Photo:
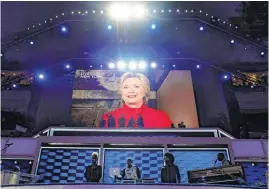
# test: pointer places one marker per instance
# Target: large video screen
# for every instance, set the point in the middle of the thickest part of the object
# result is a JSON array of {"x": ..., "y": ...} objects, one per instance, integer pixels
[{"x": 98, "y": 92}]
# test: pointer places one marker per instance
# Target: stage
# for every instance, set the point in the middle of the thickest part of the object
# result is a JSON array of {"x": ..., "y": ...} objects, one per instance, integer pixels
[{"x": 122, "y": 186}]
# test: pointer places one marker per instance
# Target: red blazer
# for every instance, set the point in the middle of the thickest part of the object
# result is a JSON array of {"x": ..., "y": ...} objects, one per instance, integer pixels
[{"x": 152, "y": 118}]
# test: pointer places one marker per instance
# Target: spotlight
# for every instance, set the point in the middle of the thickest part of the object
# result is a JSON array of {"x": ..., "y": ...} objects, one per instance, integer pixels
[
  {"x": 31, "y": 42},
  {"x": 201, "y": 28},
  {"x": 93, "y": 11},
  {"x": 121, "y": 65},
  {"x": 153, "y": 26},
  {"x": 177, "y": 10},
  {"x": 170, "y": 10},
  {"x": 67, "y": 66},
  {"x": 154, "y": 11},
  {"x": 101, "y": 66},
  {"x": 120, "y": 12},
  {"x": 14, "y": 85},
  {"x": 174, "y": 65},
  {"x": 64, "y": 29},
  {"x": 262, "y": 53},
  {"x": 225, "y": 76},
  {"x": 201, "y": 11},
  {"x": 132, "y": 65},
  {"x": 153, "y": 65},
  {"x": 162, "y": 10},
  {"x": 142, "y": 65},
  {"x": 198, "y": 66},
  {"x": 102, "y": 11},
  {"x": 139, "y": 11},
  {"x": 232, "y": 41},
  {"x": 109, "y": 27},
  {"x": 1, "y": 54},
  {"x": 41, "y": 76},
  {"x": 111, "y": 65},
  {"x": 90, "y": 66}
]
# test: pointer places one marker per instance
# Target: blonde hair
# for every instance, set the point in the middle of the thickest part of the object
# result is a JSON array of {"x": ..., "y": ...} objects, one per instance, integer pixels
[
  {"x": 145, "y": 84},
  {"x": 95, "y": 154}
]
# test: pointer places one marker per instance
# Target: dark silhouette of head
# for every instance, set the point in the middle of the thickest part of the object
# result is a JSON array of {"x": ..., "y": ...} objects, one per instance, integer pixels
[{"x": 169, "y": 158}]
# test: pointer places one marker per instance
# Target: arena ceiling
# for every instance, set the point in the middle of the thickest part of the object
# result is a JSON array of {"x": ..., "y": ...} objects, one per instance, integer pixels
[{"x": 173, "y": 39}]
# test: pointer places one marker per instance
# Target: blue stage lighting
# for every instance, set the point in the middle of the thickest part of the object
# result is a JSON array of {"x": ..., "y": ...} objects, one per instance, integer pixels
[
  {"x": 153, "y": 26},
  {"x": 64, "y": 29},
  {"x": 109, "y": 27},
  {"x": 14, "y": 85},
  {"x": 225, "y": 76},
  {"x": 232, "y": 41},
  {"x": 142, "y": 65},
  {"x": 262, "y": 53},
  {"x": 198, "y": 66},
  {"x": 111, "y": 65},
  {"x": 67, "y": 66},
  {"x": 31, "y": 42},
  {"x": 41, "y": 76},
  {"x": 201, "y": 28},
  {"x": 121, "y": 65},
  {"x": 132, "y": 65},
  {"x": 153, "y": 65}
]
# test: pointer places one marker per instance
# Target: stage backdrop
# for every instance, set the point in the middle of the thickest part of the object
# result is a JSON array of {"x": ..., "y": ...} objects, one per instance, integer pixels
[{"x": 95, "y": 92}]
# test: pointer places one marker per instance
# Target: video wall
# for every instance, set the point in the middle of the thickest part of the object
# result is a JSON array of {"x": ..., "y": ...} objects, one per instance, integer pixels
[{"x": 96, "y": 92}]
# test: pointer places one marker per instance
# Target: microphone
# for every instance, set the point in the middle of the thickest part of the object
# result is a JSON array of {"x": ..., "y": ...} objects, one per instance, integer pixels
[
  {"x": 131, "y": 122},
  {"x": 111, "y": 121},
  {"x": 140, "y": 121},
  {"x": 122, "y": 121}
]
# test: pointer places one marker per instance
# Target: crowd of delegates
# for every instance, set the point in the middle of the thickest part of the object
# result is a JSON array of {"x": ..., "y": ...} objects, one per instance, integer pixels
[{"x": 169, "y": 173}]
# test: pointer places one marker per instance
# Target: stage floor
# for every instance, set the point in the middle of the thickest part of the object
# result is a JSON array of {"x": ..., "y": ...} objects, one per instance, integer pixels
[{"x": 128, "y": 186}]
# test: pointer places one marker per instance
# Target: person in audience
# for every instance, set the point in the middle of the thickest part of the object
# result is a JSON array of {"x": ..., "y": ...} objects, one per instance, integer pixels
[
  {"x": 221, "y": 161},
  {"x": 93, "y": 172},
  {"x": 135, "y": 92},
  {"x": 170, "y": 172},
  {"x": 131, "y": 172}
]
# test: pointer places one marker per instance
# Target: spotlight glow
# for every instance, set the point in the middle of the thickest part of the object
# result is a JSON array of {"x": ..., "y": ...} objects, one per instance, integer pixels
[
  {"x": 139, "y": 11},
  {"x": 174, "y": 65},
  {"x": 153, "y": 65},
  {"x": 121, "y": 65},
  {"x": 67, "y": 66},
  {"x": 142, "y": 65},
  {"x": 201, "y": 28},
  {"x": 31, "y": 42},
  {"x": 111, "y": 65},
  {"x": 64, "y": 29},
  {"x": 232, "y": 41},
  {"x": 14, "y": 85},
  {"x": 225, "y": 76},
  {"x": 153, "y": 26},
  {"x": 41, "y": 76},
  {"x": 132, "y": 65},
  {"x": 120, "y": 12},
  {"x": 198, "y": 66},
  {"x": 262, "y": 53},
  {"x": 109, "y": 27}
]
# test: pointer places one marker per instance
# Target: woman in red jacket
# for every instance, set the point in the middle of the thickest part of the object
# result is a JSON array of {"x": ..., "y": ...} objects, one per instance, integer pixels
[{"x": 135, "y": 90}]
